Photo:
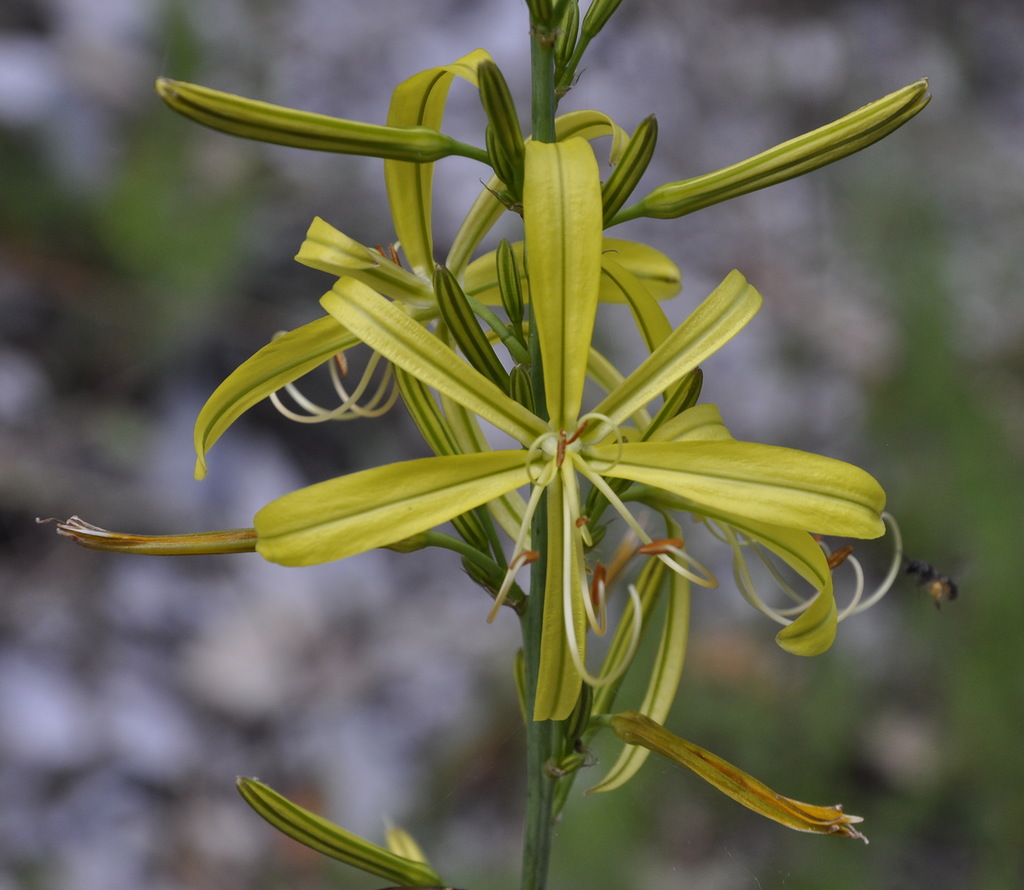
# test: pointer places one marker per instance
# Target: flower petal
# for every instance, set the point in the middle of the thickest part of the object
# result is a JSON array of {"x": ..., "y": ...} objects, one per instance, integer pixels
[
  {"x": 651, "y": 268},
  {"x": 710, "y": 326},
  {"x": 327, "y": 249},
  {"x": 488, "y": 208},
  {"x": 388, "y": 330},
  {"x": 636, "y": 729},
  {"x": 699, "y": 423},
  {"x": 558, "y": 680},
  {"x": 419, "y": 102},
  {"x": 281, "y": 361},
  {"x": 765, "y": 482},
  {"x": 377, "y": 507},
  {"x": 815, "y": 630},
  {"x": 562, "y": 222}
]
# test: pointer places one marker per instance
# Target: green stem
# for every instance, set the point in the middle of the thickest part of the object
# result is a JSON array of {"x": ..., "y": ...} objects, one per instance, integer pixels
[
  {"x": 539, "y": 733},
  {"x": 542, "y": 67}
]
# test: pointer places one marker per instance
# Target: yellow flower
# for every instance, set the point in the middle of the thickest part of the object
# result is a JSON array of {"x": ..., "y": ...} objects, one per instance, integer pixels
[{"x": 776, "y": 492}]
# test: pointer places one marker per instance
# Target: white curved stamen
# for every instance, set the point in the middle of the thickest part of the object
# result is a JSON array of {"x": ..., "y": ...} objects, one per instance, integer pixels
[
  {"x": 380, "y": 402},
  {"x": 574, "y": 647},
  {"x": 541, "y": 481},
  {"x": 677, "y": 560},
  {"x": 851, "y": 607},
  {"x": 894, "y": 566}
]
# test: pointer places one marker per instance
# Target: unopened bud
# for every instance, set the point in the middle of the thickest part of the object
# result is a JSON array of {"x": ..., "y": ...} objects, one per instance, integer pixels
[
  {"x": 843, "y": 137},
  {"x": 264, "y": 122}
]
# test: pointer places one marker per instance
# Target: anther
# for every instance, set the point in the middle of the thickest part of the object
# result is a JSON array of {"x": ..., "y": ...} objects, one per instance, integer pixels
[
  {"x": 836, "y": 559},
  {"x": 657, "y": 548},
  {"x": 560, "y": 450},
  {"x": 597, "y": 587}
]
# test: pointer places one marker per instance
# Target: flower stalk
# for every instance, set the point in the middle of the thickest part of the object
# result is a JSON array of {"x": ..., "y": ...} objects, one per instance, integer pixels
[{"x": 504, "y": 342}]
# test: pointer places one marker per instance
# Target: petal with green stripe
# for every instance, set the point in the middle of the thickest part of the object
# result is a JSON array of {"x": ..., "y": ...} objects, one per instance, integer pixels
[{"x": 373, "y": 508}]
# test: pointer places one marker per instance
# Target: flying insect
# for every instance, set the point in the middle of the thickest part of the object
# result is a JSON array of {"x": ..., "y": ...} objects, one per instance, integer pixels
[{"x": 937, "y": 585}]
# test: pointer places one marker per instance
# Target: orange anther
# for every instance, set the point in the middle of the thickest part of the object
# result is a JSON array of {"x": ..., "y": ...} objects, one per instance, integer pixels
[
  {"x": 836, "y": 559},
  {"x": 597, "y": 585},
  {"x": 666, "y": 545}
]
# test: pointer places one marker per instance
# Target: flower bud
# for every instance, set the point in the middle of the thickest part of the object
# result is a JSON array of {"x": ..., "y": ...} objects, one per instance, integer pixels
[
  {"x": 510, "y": 286},
  {"x": 325, "y": 837},
  {"x": 632, "y": 165},
  {"x": 465, "y": 328},
  {"x": 597, "y": 17},
  {"x": 568, "y": 31},
  {"x": 264, "y": 122},
  {"x": 505, "y": 135},
  {"x": 843, "y": 137}
]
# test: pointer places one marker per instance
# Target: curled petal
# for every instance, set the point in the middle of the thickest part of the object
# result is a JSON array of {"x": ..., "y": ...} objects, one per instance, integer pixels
[
  {"x": 636, "y": 729},
  {"x": 236, "y": 540}
]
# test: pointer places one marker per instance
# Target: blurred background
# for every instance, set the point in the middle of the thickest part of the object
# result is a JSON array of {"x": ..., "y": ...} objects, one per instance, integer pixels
[{"x": 142, "y": 258}]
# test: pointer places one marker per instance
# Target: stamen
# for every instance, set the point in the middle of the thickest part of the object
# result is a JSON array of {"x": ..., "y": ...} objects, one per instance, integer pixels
[
  {"x": 579, "y": 432},
  {"x": 894, "y": 566},
  {"x": 656, "y": 548},
  {"x": 524, "y": 558},
  {"x": 383, "y": 398},
  {"x": 341, "y": 360},
  {"x": 573, "y": 546},
  {"x": 634, "y": 642},
  {"x": 521, "y": 556},
  {"x": 677, "y": 559},
  {"x": 858, "y": 589},
  {"x": 560, "y": 453},
  {"x": 535, "y": 455},
  {"x": 836, "y": 559},
  {"x": 741, "y": 573},
  {"x": 598, "y": 597},
  {"x": 390, "y": 253}
]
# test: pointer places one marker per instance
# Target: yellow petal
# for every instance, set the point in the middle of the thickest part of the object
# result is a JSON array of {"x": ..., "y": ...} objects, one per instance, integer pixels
[
  {"x": 562, "y": 222},
  {"x": 373, "y": 508},
  {"x": 764, "y": 482},
  {"x": 419, "y": 102}
]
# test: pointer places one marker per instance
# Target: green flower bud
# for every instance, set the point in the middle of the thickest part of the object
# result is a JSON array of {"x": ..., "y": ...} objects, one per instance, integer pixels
[
  {"x": 327, "y": 838},
  {"x": 568, "y": 32},
  {"x": 504, "y": 133},
  {"x": 597, "y": 17},
  {"x": 510, "y": 287},
  {"x": 465, "y": 328},
  {"x": 843, "y": 137},
  {"x": 264, "y": 122},
  {"x": 521, "y": 386},
  {"x": 632, "y": 165}
]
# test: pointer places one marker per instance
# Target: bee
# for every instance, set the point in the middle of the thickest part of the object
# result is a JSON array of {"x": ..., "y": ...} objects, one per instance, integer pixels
[{"x": 938, "y": 586}]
